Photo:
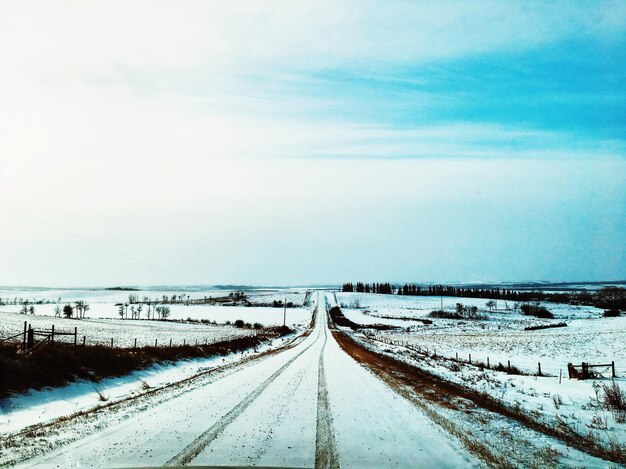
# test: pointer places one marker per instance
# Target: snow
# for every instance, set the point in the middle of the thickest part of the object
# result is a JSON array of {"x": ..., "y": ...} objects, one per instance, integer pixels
[
  {"x": 588, "y": 337},
  {"x": 264, "y": 410},
  {"x": 276, "y": 428},
  {"x": 102, "y": 306},
  {"x": 533, "y": 394},
  {"x": 377, "y": 428},
  {"x": 123, "y": 332}
]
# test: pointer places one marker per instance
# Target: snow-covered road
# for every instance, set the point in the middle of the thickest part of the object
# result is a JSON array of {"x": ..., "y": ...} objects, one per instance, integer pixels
[{"x": 308, "y": 406}]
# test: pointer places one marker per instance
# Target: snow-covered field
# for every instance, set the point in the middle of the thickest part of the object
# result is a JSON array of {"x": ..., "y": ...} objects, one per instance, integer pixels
[
  {"x": 264, "y": 413},
  {"x": 311, "y": 401},
  {"x": 123, "y": 332},
  {"x": 501, "y": 337},
  {"x": 110, "y": 296},
  {"x": 103, "y": 322},
  {"x": 588, "y": 337},
  {"x": 577, "y": 404}
]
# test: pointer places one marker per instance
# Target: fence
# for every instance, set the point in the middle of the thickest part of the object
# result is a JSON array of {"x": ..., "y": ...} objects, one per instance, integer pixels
[
  {"x": 586, "y": 370},
  {"x": 520, "y": 368},
  {"x": 30, "y": 339}
]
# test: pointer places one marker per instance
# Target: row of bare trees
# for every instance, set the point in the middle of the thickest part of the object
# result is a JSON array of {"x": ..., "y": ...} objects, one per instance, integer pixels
[{"x": 153, "y": 310}]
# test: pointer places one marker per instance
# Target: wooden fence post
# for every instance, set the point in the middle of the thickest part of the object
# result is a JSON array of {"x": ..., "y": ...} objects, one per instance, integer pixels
[
  {"x": 487, "y": 362},
  {"x": 111, "y": 342},
  {"x": 184, "y": 342},
  {"x": 135, "y": 346},
  {"x": 84, "y": 338},
  {"x": 560, "y": 375},
  {"x": 52, "y": 336},
  {"x": 155, "y": 342},
  {"x": 75, "y": 336},
  {"x": 30, "y": 341},
  {"x": 24, "y": 341},
  {"x": 509, "y": 365},
  {"x": 470, "y": 358},
  {"x": 170, "y": 342},
  {"x": 613, "y": 369},
  {"x": 539, "y": 366},
  {"x": 457, "y": 356}
]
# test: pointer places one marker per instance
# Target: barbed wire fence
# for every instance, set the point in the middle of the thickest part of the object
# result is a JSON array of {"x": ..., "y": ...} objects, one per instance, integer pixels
[{"x": 541, "y": 367}]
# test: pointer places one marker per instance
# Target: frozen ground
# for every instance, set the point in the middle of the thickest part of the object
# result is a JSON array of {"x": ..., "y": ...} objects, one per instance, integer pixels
[
  {"x": 293, "y": 408},
  {"x": 123, "y": 332},
  {"x": 588, "y": 337},
  {"x": 102, "y": 306},
  {"x": 577, "y": 404},
  {"x": 308, "y": 404},
  {"x": 110, "y": 296},
  {"x": 35, "y": 407}
]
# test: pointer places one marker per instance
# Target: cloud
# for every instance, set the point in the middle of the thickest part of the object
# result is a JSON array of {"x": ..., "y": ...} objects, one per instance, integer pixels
[{"x": 176, "y": 115}]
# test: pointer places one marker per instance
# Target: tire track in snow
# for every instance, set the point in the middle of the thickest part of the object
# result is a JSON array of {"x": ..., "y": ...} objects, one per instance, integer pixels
[
  {"x": 193, "y": 449},
  {"x": 326, "y": 455}
]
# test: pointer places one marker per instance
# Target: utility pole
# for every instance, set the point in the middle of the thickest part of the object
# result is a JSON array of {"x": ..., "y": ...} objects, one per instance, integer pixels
[{"x": 285, "y": 312}]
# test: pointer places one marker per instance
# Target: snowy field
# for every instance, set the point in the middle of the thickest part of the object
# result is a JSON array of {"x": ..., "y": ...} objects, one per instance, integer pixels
[
  {"x": 103, "y": 321},
  {"x": 124, "y": 332},
  {"x": 572, "y": 403},
  {"x": 264, "y": 315},
  {"x": 284, "y": 409},
  {"x": 588, "y": 336},
  {"x": 110, "y": 296}
]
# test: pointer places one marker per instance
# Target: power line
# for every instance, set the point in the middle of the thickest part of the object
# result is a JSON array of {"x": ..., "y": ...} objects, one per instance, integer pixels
[
  {"x": 126, "y": 229},
  {"x": 100, "y": 245}
]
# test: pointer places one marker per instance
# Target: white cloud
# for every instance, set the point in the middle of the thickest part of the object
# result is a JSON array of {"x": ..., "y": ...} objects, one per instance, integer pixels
[{"x": 153, "y": 108}]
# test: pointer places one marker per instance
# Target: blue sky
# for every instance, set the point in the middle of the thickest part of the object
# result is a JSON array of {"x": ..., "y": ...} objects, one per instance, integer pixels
[{"x": 311, "y": 142}]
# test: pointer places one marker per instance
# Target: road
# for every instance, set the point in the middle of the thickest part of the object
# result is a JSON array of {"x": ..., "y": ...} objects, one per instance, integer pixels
[{"x": 308, "y": 406}]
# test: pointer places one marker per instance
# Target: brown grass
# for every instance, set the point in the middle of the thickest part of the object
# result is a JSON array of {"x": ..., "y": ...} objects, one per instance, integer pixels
[{"x": 58, "y": 365}]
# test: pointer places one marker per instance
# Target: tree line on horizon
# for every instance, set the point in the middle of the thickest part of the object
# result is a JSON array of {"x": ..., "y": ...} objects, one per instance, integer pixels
[{"x": 607, "y": 297}]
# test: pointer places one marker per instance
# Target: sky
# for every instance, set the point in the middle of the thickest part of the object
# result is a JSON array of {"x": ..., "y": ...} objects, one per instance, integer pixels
[{"x": 288, "y": 143}]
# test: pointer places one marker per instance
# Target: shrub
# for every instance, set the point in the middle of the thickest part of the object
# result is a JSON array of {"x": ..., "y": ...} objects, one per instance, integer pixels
[
  {"x": 611, "y": 313},
  {"x": 610, "y": 298},
  {"x": 615, "y": 401},
  {"x": 441, "y": 314},
  {"x": 239, "y": 323},
  {"x": 68, "y": 311},
  {"x": 461, "y": 312},
  {"x": 55, "y": 366},
  {"x": 536, "y": 310}
]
